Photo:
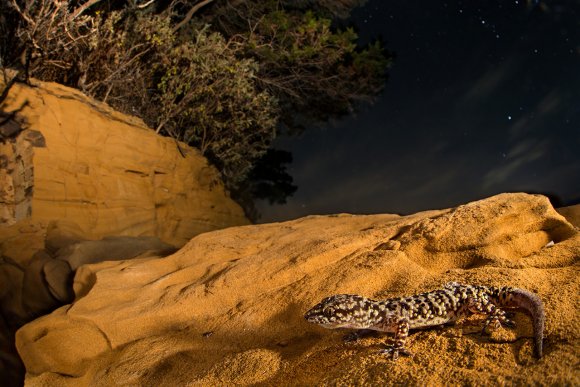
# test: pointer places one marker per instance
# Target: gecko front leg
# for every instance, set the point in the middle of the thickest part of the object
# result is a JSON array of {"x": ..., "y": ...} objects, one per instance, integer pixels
[{"x": 401, "y": 326}]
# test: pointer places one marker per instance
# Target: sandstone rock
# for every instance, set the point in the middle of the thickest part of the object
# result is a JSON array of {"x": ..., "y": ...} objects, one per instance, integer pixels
[
  {"x": 19, "y": 242},
  {"x": 79, "y": 161},
  {"x": 57, "y": 275},
  {"x": 72, "y": 170},
  {"x": 46, "y": 281},
  {"x": 61, "y": 234},
  {"x": 37, "y": 298},
  {"x": 571, "y": 213},
  {"x": 227, "y": 308},
  {"x": 111, "y": 249},
  {"x": 16, "y": 177}
]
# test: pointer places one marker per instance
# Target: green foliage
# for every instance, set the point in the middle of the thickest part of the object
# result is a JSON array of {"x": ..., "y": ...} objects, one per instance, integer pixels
[
  {"x": 221, "y": 79},
  {"x": 328, "y": 8},
  {"x": 193, "y": 88},
  {"x": 315, "y": 71},
  {"x": 207, "y": 97}
]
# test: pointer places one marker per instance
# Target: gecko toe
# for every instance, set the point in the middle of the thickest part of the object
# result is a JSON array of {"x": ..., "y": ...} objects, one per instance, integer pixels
[
  {"x": 390, "y": 352},
  {"x": 395, "y": 352}
]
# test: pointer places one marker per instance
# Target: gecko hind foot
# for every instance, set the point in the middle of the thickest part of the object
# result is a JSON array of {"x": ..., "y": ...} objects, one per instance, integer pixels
[{"x": 495, "y": 323}]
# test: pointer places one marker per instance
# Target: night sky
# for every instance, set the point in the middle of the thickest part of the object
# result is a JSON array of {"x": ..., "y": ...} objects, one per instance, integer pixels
[{"x": 483, "y": 98}]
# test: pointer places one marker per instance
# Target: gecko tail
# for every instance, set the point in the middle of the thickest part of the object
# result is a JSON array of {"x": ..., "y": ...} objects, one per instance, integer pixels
[{"x": 530, "y": 302}]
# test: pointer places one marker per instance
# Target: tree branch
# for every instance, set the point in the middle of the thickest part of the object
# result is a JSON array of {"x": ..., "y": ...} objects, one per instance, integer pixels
[
  {"x": 83, "y": 8},
  {"x": 190, "y": 14},
  {"x": 25, "y": 16},
  {"x": 147, "y": 4}
]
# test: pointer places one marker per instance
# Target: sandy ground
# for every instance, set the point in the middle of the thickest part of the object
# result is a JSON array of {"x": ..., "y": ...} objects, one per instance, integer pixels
[{"x": 227, "y": 309}]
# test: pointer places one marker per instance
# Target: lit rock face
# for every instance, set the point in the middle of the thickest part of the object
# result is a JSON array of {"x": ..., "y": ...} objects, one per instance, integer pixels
[
  {"x": 78, "y": 161},
  {"x": 227, "y": 309},
  {"x": 81, "y": 183}
]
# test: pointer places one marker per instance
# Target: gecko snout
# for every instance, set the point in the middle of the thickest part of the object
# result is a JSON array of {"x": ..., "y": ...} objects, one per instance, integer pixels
[
  {"x": 316, "y": 315},
  {"x": 311, "y": 315}
]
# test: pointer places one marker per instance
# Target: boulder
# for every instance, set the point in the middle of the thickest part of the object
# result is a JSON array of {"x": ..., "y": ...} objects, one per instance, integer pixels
[
  {"x": 228, "y": 307},
  {"x": 76, "y": 160}
]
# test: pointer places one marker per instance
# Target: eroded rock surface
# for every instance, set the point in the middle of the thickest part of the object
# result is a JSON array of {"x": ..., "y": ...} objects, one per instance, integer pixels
[
  {"x": 79, "y": 161},
  {"x": 227, "y": 308},
  {"x": 571, "y": 213},
  {"x": 72, "y": 172}
]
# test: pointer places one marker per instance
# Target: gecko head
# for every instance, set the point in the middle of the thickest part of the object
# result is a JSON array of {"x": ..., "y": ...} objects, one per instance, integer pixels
[{"x": 339, "y": 311}]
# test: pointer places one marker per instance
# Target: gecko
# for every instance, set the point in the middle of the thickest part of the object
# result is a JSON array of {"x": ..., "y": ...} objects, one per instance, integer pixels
[{"x": 437, "y": 307}]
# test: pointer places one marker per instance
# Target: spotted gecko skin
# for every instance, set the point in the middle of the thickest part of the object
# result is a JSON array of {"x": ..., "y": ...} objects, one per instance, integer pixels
[{"x": 399, "y": 315}]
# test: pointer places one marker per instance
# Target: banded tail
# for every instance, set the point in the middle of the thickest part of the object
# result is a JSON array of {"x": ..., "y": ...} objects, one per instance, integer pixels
[{"x": 520, "y": 298}]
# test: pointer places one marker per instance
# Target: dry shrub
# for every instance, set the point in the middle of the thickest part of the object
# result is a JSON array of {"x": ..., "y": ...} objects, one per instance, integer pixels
[{"x": 195, "y": 88}]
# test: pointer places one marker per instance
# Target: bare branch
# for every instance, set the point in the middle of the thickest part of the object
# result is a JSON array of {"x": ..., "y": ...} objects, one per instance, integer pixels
[
  {"x": 24, "y": 15},
  {"x": 147, "y": 4},
  {"x": 83, "y": 8},
  {"x": 190, "y": 14}
]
